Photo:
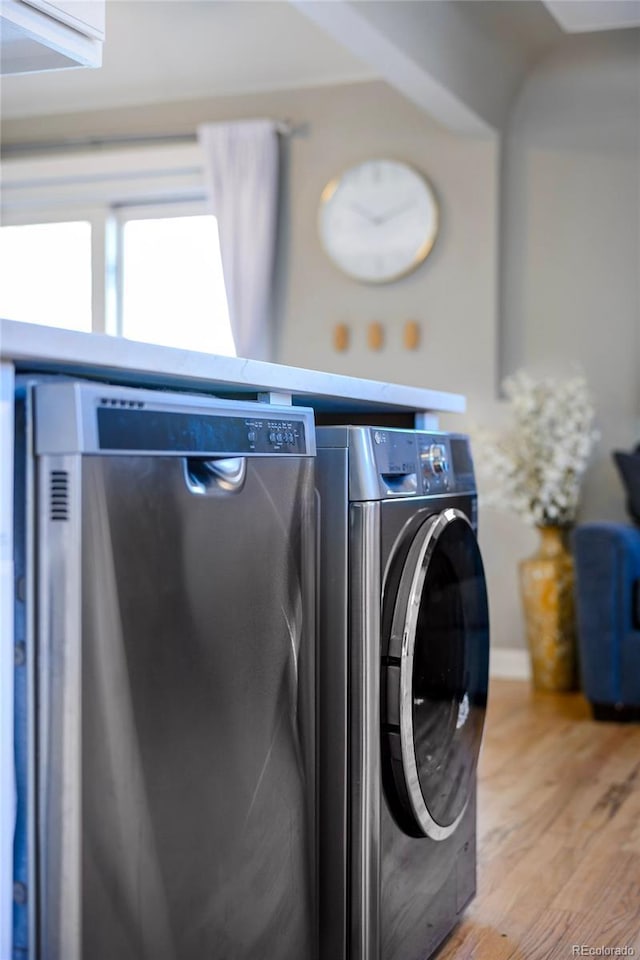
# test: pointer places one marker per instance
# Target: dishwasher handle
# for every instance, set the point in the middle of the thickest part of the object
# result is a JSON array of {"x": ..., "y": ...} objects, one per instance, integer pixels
[{"x": 215, "y": 475}]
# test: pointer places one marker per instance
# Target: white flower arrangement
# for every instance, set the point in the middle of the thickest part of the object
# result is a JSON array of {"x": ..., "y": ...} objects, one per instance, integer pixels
[{"x": 538, "y": 465}]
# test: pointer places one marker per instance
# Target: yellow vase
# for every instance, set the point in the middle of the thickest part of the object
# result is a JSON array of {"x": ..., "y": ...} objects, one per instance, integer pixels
[{"x": 546, "y": 581}]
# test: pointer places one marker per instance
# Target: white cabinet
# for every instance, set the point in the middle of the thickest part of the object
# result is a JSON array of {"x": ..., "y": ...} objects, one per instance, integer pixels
[{"x": 40, "y": 35}]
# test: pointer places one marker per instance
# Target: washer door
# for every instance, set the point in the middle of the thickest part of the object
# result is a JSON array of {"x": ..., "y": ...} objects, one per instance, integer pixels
[{"x": 434, "y": 678}]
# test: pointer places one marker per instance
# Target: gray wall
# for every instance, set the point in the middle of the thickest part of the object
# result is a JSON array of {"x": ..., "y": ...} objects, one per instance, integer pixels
[
  {"x": 570, "y": 253},
  {"x": 571, "y": 239},
  {"x": 569, "y": 286}
]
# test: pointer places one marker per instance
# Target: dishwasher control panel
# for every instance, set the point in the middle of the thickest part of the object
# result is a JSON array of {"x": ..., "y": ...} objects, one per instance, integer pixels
[
  {"x": 122, "y": 428},
  {"x": 83, "y": 417}
]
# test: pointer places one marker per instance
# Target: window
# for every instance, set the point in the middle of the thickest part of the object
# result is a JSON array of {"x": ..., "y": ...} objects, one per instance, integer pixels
[
  {"x": 46, "y": 274},
  {"x": 107, "y": 242},
  {"x": 172, "y": 288}
]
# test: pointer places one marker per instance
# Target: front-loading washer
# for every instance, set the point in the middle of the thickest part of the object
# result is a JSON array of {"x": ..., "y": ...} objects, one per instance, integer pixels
[{"x": 403, "y": 675}]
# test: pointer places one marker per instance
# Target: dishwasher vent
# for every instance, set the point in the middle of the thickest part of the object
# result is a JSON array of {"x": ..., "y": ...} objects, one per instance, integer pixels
[{"x": 59, "y": 494}]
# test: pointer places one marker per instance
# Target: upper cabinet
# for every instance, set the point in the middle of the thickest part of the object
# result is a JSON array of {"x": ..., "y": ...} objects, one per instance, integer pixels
[{"x": 40, "y": 35}]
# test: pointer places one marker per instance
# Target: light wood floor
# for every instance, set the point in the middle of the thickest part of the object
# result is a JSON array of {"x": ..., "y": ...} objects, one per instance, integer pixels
[{"x": 559, "y": 832}]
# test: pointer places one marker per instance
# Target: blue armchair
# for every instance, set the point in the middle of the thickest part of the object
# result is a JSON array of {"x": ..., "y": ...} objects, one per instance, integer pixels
[{"x": 607, "y": 562}]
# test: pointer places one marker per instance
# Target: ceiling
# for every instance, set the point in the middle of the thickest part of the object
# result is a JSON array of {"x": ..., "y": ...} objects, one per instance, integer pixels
[
  {"x": 163, "y": 50},
  {"x": 584, "y": 16},
  {"x": 171, "y": 50}
]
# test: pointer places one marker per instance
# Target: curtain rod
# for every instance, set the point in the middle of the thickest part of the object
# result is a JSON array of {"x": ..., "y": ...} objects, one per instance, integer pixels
[{"x": 283, "y": 127}]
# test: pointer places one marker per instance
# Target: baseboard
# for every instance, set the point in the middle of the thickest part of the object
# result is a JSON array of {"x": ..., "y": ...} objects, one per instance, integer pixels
[{"x": 509, "y": 664}]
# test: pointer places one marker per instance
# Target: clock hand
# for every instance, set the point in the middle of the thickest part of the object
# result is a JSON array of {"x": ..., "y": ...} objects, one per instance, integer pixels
[
  {"x": 377, "y": 219},
  {"x": 391, "y": 215},
  {"x": 363, "y": 213}
]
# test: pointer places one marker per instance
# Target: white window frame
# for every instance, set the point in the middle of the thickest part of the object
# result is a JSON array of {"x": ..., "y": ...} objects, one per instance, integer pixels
[{"x": 105, "y": 188}]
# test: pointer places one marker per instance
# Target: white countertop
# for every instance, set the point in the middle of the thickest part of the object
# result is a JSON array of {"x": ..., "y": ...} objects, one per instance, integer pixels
[{"x": 47, "y": 350}]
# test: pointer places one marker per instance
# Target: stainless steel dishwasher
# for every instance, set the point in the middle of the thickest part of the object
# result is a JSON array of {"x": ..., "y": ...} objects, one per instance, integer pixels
[{"x": 172, "y": 708}]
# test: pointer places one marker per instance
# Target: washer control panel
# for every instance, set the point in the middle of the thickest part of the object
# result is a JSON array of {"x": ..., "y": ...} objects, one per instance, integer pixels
[
  {"x": 413, "y": 462},
  {"x": 434, "y": 461}
]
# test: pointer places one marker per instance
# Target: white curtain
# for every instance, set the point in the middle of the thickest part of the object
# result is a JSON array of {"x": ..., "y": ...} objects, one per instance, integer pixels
[{"x": 241, "y": 174}]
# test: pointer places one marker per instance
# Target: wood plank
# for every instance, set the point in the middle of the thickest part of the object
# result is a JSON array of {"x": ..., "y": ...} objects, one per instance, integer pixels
[{"x": 559, "y": 832}]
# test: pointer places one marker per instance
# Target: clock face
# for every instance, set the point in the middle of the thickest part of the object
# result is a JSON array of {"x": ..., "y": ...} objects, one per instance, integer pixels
[{"x": 378, "y": 221}]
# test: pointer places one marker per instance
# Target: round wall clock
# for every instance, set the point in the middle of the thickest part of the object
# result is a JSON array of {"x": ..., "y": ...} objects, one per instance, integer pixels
[{"x": 378, "y": 221}]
